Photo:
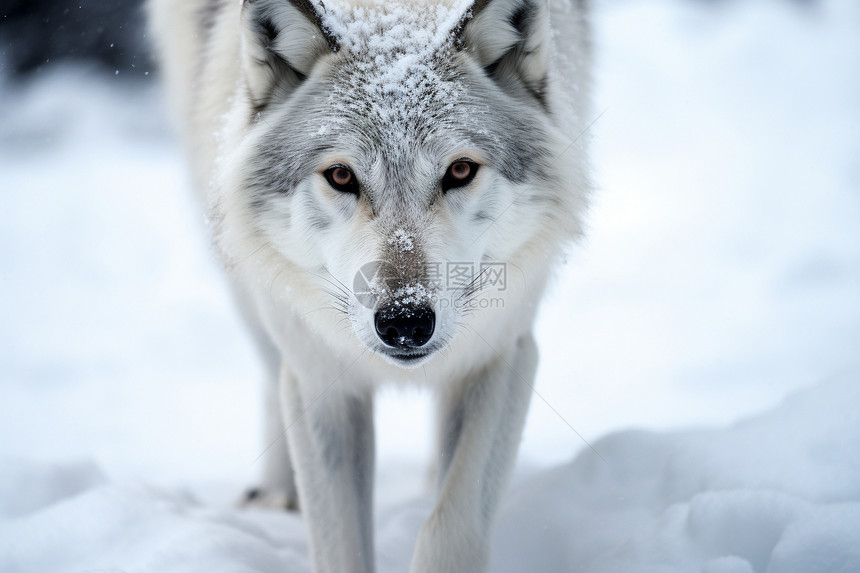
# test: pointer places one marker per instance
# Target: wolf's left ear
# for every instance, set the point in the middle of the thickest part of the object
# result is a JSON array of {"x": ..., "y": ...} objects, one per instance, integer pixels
[
  {"x": 510, "y": 39},
  {"x": 281, "y": 42}
]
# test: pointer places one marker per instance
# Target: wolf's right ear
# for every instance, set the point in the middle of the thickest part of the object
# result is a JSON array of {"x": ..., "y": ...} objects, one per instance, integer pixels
[{"x": 281, "y": 42}]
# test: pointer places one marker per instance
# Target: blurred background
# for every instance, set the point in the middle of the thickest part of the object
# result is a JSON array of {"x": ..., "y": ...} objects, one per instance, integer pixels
[
  {"x": 721, "y": 269},
  {"x": 37, "y": 35}
]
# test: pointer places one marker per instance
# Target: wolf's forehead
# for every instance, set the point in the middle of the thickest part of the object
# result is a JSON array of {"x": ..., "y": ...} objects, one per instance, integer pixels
[
  {"x": 396, "y": 66},
  {"x": 380, "y": 25},
  {"x": 417, "y": 96}
]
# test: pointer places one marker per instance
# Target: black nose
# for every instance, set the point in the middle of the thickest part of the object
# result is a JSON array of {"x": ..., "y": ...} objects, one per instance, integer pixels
[{"x": 405, "y": 327}]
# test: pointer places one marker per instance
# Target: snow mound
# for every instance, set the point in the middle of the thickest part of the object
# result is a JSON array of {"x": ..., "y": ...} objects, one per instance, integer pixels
[
  {"x": 134, "y": 529},
  {"x": 779, "y": 493},
  {"x": 30, "y": 487}
]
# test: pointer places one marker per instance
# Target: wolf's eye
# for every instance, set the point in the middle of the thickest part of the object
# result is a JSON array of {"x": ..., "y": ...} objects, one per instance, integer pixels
[
  {"x": 341, "y": 179},
  {"x": 459, "y": 174}
]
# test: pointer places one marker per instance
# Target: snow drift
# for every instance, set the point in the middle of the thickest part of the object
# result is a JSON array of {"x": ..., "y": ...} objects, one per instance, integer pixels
[{"x": 777, "y": 493}]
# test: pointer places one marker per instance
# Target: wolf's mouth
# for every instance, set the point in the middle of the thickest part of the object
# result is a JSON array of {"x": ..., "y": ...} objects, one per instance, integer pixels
[{"x": 406, "y": 359}]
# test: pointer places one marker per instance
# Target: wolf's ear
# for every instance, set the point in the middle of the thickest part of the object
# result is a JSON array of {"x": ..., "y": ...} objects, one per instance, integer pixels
[
  {"x": 511, "y": 40},
  {"x": 281, "y": 42}
]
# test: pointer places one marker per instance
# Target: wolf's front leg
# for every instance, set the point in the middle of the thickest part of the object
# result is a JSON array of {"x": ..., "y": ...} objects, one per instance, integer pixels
[
  {"x": 277, "y": 489},
  {"x": 481, "y": 422},
  {"x": 331, "y": 439}
]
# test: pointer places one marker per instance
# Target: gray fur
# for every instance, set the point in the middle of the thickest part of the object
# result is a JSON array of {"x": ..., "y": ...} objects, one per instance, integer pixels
[
  {"x": 207, "y": 16},
  {"x": 452, "y": 419}
]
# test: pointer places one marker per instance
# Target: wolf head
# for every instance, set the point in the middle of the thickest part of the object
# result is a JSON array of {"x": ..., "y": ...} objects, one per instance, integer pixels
[{"x": 386, "y": 146}]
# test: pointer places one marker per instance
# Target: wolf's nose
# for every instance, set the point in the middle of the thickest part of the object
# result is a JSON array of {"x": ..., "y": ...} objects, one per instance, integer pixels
[{"x": 405, "y": 327}]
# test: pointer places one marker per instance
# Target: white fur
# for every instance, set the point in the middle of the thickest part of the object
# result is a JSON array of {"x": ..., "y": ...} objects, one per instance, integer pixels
[{"x": 282, "y": 257}]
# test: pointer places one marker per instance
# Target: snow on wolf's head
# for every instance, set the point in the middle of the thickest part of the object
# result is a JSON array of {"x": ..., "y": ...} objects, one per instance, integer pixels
[{"x": 386, "y": 144}]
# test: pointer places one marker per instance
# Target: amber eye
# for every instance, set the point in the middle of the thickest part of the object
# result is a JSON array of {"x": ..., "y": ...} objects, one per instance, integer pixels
[
  {"x": 461, "y": 170},
  {"x": 341, "y": 179},
  {"x": 459, "y": 174}
]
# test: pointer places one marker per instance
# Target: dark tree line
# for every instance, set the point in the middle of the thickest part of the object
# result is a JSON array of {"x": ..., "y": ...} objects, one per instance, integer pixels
[{"x": 35, "y": 34}]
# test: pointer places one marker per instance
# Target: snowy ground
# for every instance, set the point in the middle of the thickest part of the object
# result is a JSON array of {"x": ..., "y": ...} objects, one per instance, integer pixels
[{"x": 721, "y": 274}]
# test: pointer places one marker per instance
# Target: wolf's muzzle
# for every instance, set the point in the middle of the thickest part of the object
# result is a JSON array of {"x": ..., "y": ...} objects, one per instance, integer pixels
[{"x": 405, "y": 327}]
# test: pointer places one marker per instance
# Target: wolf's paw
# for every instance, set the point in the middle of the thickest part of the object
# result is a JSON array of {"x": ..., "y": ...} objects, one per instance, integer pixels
[{"x": 259, "y": 498}]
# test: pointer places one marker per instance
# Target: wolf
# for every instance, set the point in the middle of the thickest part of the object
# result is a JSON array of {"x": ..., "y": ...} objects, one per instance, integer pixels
[{"x": 345, "y": 151}]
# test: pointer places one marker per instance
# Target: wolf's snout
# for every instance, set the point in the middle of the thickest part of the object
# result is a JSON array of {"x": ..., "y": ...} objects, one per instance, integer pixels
[{"x": 405, "y": 327}]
